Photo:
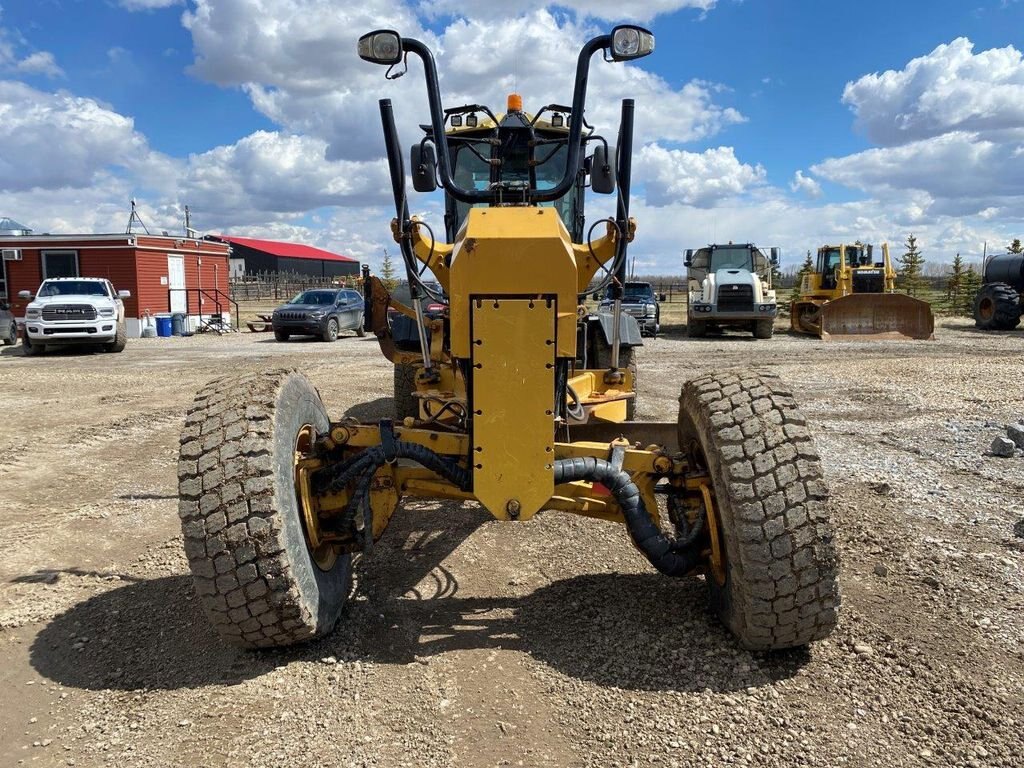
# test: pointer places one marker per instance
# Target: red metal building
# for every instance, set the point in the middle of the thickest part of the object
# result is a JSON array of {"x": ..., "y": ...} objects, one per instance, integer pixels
[{"x": 163, "y": 273}]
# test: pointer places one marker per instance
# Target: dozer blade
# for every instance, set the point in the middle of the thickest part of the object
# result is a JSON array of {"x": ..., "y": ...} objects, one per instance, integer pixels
[{"x": 877, "y": 316}]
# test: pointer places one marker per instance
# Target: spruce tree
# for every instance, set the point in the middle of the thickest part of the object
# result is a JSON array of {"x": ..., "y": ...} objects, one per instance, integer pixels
[
  {"x": 955, "y": 283},
  {"x": 969, "y": 287},
  {"x": 805, "y": 269},
  {"x": 911, "y": 263},
  {"x": 388, "y": 275},
  {"x": 1015, "y": 246}
]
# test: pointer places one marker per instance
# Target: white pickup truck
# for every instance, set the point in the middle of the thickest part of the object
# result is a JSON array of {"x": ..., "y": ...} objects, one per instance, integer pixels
[{"x": 75, "y": 310}]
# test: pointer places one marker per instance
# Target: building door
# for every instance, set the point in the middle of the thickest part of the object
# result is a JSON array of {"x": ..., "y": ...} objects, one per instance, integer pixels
[{"x": 176, "y": 283}]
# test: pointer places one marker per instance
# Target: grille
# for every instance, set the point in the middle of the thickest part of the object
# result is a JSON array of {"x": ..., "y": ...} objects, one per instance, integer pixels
[
  {"x": 292, "y": 315},
  {"x": 868, "y": 281},
  {"x": 69, "y": 312},
  {"x": 736, "y": 298}
]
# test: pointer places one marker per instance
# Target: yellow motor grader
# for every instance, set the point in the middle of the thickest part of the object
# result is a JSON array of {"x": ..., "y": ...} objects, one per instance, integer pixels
[
  {"x": 850, "y": 295},
  {"x": 519, "y": 399}
]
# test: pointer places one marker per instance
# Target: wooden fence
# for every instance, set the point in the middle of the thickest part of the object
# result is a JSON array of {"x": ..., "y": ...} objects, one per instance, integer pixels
[{"x": 273, "y": 286}]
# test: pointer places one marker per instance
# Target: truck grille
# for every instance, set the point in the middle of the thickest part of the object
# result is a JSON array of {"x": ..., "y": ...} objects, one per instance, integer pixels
[
  {"x": 69, "y": 312},
  {"x": 291, "y": 315},
  {"x": 736, "y": 298}
]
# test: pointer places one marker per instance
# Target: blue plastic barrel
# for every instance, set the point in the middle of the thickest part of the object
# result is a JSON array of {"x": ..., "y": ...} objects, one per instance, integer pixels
[
  {"x": 177, "y": 324},
  {"x": 163, "y": 326}
]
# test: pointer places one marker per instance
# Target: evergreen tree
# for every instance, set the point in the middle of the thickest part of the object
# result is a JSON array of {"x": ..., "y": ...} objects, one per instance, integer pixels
[
  {"x": 805, "y": 269},
  {"x": 911, "y": 263},
  {"x": 388, "y": 276},
  {"x": 1015, "y": 246},
  {"x": 954, "y": 283},
  {"x": 969, "y": 287}
]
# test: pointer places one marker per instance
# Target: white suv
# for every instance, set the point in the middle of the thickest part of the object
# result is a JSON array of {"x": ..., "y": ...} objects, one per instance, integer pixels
[{"x": 75, "y": 310}]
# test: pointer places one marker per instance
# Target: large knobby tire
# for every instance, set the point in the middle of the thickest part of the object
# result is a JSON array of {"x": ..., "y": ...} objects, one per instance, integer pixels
[
  {"x": 244, "y": 534},
  {"x": 120, "y": 339},
  {"x": 696, "y": 329},
  {"x": 781, "y": 588},
  {"x": 330, "y": 330},
  {"x": 406, "y": 406},
  {"x": 764, "y": 329},
  {"x": 997, "y": 307}
]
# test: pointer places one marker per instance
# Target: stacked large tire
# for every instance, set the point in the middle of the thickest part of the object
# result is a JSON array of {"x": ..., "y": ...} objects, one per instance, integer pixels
[
  {"x": 997, "y": 307},
  {"x": 780, "y": 588},
  {"x": 244, "y": 534}
]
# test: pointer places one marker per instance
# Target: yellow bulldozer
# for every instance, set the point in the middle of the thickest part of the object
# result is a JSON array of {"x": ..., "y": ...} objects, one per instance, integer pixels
[
  {"x": 850, "y": 295},
  {"x": 520, "y": 399}
]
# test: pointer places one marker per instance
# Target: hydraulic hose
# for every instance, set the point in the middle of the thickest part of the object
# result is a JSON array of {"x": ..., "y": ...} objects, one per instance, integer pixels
[{"x": 671, "y": 557}]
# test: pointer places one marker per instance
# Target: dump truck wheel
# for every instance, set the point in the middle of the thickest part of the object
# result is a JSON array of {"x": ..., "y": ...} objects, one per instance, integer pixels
[
  {"x": 120, "y": 339},
  {"x": 779, "y": 587},
  {"x": 406, "y": 406},
  {"x": 244, "y": 532},
  {"x": 696, "y": 329},
  {"x": 764, "y": 329},
  {"x": 997, "y": 307}
]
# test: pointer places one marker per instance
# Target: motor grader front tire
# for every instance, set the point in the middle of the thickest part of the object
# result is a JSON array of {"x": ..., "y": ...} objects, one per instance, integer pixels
[
  {"x": 406, "y": 405},
  {"x": 778, "y": 586},
  {"x": 245, "y": 537}
]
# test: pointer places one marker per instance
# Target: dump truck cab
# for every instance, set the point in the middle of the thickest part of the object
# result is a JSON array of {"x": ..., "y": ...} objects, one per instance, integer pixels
[{"x": 730, "y": 286}]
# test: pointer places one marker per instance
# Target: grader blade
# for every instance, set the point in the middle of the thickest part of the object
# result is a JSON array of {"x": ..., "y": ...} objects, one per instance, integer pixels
[{"x": 877, "y": 316}]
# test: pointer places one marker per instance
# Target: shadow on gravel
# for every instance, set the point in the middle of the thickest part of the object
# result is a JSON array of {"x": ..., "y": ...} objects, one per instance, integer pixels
[
  {"x": 373, "y": 411},
  {"x": 147, "y": 635}
]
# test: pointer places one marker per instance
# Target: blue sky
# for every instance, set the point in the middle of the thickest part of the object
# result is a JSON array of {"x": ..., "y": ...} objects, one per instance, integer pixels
[{"x": 785, "y": 122}]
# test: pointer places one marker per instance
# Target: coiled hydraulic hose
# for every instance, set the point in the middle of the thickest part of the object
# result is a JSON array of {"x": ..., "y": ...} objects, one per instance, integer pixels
[
  {"x": 671, "y": 557},
  {"x": 334, "y": 479}
]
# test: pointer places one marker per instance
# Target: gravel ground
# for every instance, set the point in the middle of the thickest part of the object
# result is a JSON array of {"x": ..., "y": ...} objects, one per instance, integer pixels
[{"x": 474, "y": 643}]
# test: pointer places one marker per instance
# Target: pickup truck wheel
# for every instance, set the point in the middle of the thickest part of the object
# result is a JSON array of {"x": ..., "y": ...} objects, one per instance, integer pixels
[
  {"x": 12, "y": 334},
  {"x": 360, "y": 330},
  {"x": 31, "y": 348},
  {"x": 260, "y": 582},
  {"x": 331, "y": 331},
  {"x": 696, "y": 329},
  {"x": 120, "y": 339},
  {"x": 282, "y": 335}
]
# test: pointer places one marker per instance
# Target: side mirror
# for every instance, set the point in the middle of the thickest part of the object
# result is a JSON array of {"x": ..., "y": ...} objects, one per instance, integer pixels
[
  {"x": 775, "y": 256},
  {"x": 602, "y": 170},
  {"x": 688, "y": 260},
  {"x": 4, "y": 305},
  {"x": 424, "y": 167},
  {"x": 661, "y": 297},
  {"x": 597, "y": 296},
  {"x": 124, "y": 294},
  {"x": 382, "y": 46},
  {"x": 629, "y": 42},
  {"x": 26, "y": 295}
]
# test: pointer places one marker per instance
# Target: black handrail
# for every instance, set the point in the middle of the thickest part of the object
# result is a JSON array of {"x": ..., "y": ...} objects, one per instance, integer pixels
[{"x": 205, "y": 292}]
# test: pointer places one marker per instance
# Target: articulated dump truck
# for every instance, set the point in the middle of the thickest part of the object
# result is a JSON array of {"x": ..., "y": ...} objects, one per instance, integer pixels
[
  {"x": 850, "y": 295},
  {"x": 512, "y": 397}
]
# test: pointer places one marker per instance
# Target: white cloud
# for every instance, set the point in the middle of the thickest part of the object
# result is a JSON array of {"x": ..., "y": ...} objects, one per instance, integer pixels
[
  {"x": 610, "y": 10},
  {"x": 40, "y": 63},
  {"x": 950, "y": 89},
  {"x": 805, "y": 185},
  {"x": 55, "y": 140},
  {"x": 147, "y": 5},
  {"x": 699, "y": 179}
]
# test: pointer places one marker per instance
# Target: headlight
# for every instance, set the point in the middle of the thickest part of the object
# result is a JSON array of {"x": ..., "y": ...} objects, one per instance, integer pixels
[
  {"x": 33, "y": 313},
  {"x": 318, "y": 313},
  {"x": 106, "y": 313},
  {"x": 649, "y": 309}
]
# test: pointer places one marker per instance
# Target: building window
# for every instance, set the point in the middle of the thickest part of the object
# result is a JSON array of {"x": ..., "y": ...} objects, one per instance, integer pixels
[
  {"x": 3, "y": 279},
  {"x": 60, "y": 264}
]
